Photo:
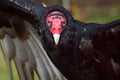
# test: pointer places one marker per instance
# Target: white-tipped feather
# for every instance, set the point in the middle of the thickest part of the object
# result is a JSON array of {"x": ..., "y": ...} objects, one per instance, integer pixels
[
  {"x": 53, "y": 71},
  {"x": 44, "y": 4}
]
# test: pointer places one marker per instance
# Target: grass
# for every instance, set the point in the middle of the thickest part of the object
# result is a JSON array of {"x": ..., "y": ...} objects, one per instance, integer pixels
[
  {"x": 102, "y": 16},
  {"x": 4, "y": 74}
]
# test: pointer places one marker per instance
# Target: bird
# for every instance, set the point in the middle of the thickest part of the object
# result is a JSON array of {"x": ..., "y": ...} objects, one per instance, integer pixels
[{"x": 80, "y": 50}]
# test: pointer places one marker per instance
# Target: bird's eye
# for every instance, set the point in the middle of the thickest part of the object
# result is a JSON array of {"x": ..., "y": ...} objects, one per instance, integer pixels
[
  {"x": 49, "y": 24},
  {"x": 63, "y": 24}
]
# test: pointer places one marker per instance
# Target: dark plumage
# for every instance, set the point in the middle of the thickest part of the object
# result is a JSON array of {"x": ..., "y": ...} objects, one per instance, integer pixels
[{"x": 85, "y": 51}]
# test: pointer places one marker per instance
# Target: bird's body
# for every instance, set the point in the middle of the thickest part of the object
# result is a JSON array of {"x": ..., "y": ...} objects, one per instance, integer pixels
[
  {"x": 81, "y": 57},
  {"x": 81, "y": 51}
]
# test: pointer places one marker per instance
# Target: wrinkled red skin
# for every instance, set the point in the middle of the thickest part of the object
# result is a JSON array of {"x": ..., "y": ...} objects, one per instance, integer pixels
[{"x": 56, "y": 19}]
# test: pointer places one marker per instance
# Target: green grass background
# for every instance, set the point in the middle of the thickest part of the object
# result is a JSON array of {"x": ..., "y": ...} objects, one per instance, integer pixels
[{"x": 4, "y": 74}]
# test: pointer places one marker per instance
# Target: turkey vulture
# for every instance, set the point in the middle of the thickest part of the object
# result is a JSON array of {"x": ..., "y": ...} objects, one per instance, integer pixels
[{"x": 81, "y": 51}]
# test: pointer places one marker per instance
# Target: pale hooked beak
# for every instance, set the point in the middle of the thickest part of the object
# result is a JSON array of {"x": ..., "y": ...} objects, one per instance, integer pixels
[{"x": 56, "y": 38}]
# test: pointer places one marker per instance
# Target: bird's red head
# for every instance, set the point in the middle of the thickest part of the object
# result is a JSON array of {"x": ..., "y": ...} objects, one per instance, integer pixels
[{"x": 56, "y": 22}]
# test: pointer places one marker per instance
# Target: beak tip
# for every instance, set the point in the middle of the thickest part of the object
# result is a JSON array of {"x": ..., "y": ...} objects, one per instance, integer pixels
[{"x": 56, "y": 38}]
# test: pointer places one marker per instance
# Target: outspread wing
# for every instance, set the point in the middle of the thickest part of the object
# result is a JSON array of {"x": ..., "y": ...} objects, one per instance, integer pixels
[
  {"x": 102, "y": 41},
  {"x": 20, "y": 42}
]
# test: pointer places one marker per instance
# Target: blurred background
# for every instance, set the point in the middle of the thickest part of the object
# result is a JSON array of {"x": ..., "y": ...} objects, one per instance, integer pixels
[{"x": 100, "y": 11}]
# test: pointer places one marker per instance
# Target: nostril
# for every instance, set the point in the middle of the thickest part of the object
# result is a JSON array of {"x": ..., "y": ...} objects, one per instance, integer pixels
[
  {"x": 56, "y": 30},
  {"x": 53, "y": 29},
  {"x": 59, "y": 29}
]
